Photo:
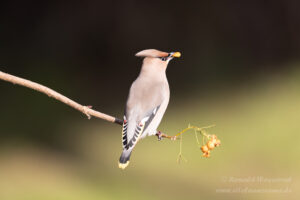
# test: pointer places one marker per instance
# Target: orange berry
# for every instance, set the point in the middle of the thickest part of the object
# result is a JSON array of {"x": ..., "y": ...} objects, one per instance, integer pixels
[
  {"x": 206, "y": 154},
  {"x": 204, "y": 149},
  {"x": 213, "y": 138},
  {"x": 210, "y": 144},
  {"x": 217, "y": 143}
]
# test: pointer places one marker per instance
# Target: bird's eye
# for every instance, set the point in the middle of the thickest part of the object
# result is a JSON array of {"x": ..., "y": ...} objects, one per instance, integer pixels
[{"x": 163, "y": 58}]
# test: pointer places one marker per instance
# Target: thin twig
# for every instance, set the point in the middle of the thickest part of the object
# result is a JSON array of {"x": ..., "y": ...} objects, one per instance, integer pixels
[
  {"x": 201, "y": 130},
  {"x": 53, "y": 94},
  {"x": 197, "y": 140},
  {"x": 193, "y": 127},
  {"x": 180, "y": 156}
]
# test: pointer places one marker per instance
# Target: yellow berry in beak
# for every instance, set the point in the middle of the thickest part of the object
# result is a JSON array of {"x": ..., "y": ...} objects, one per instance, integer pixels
[{"x": 176, "y": 54}]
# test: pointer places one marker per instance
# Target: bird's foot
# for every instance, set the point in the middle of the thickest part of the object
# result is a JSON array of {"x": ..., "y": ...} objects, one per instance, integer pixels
[{"x": 159, "y": 135}]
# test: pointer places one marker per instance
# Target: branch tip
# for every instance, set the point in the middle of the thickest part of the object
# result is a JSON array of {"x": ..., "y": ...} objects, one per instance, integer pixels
[{"x": 87, "y": 110}]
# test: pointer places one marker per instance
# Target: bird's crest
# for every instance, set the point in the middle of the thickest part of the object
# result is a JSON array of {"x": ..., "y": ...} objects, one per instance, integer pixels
[{"x": 151, "y": 53}]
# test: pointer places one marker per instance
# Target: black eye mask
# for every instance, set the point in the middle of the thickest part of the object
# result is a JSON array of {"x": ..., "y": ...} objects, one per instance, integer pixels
[{"x": 165, "y": 58}]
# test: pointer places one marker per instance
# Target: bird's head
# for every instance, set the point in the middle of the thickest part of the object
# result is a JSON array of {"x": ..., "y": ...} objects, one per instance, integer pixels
[{"x": 158, "y": 56}]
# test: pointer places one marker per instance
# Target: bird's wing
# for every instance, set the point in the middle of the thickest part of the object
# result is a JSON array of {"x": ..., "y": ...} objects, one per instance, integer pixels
[
  {"x": 151, "y": 116},
  {"x": 129, "y": 142},
  {"x": 145, "y": 98},
  {"x": 124, "y": 132}
]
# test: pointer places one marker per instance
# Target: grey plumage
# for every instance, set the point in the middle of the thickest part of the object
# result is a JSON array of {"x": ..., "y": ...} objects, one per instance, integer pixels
[{"x": 147, "y": 101}]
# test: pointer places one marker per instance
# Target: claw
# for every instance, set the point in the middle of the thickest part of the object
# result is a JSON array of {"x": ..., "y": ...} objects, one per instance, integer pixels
[{"x": 159, "y": 135}]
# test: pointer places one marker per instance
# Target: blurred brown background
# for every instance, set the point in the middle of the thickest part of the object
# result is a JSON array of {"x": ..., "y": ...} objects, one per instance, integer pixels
[{"x": 239, "y": 69}]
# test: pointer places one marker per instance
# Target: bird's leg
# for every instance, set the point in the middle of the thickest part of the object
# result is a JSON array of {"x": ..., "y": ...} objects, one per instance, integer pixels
[{"x": 161, "y": 135}]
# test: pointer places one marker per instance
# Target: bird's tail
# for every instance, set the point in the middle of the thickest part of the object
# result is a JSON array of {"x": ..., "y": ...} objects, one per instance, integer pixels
[{"x": 124, "y": 158}]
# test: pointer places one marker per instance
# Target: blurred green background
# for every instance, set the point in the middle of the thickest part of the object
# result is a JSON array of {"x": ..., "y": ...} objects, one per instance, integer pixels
[{"x": 240, "y": 70}]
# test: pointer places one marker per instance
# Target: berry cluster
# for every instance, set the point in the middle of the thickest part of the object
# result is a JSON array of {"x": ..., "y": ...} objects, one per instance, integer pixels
[{"x": 211, "y": 144}]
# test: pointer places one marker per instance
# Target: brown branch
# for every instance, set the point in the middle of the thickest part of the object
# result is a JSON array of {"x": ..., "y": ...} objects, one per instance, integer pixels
[{"x": 51, "y": 93}]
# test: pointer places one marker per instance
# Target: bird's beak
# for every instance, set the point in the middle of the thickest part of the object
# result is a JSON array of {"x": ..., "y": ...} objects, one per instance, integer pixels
[{"x": 175, "y": 54}]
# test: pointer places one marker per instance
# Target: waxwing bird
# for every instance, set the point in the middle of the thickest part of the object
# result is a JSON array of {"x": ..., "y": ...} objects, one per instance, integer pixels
[{"x": 147, "y": 101}]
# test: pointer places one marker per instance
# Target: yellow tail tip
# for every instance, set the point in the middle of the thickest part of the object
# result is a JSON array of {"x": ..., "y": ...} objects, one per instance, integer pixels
[{"x": 123, "y": 165}]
